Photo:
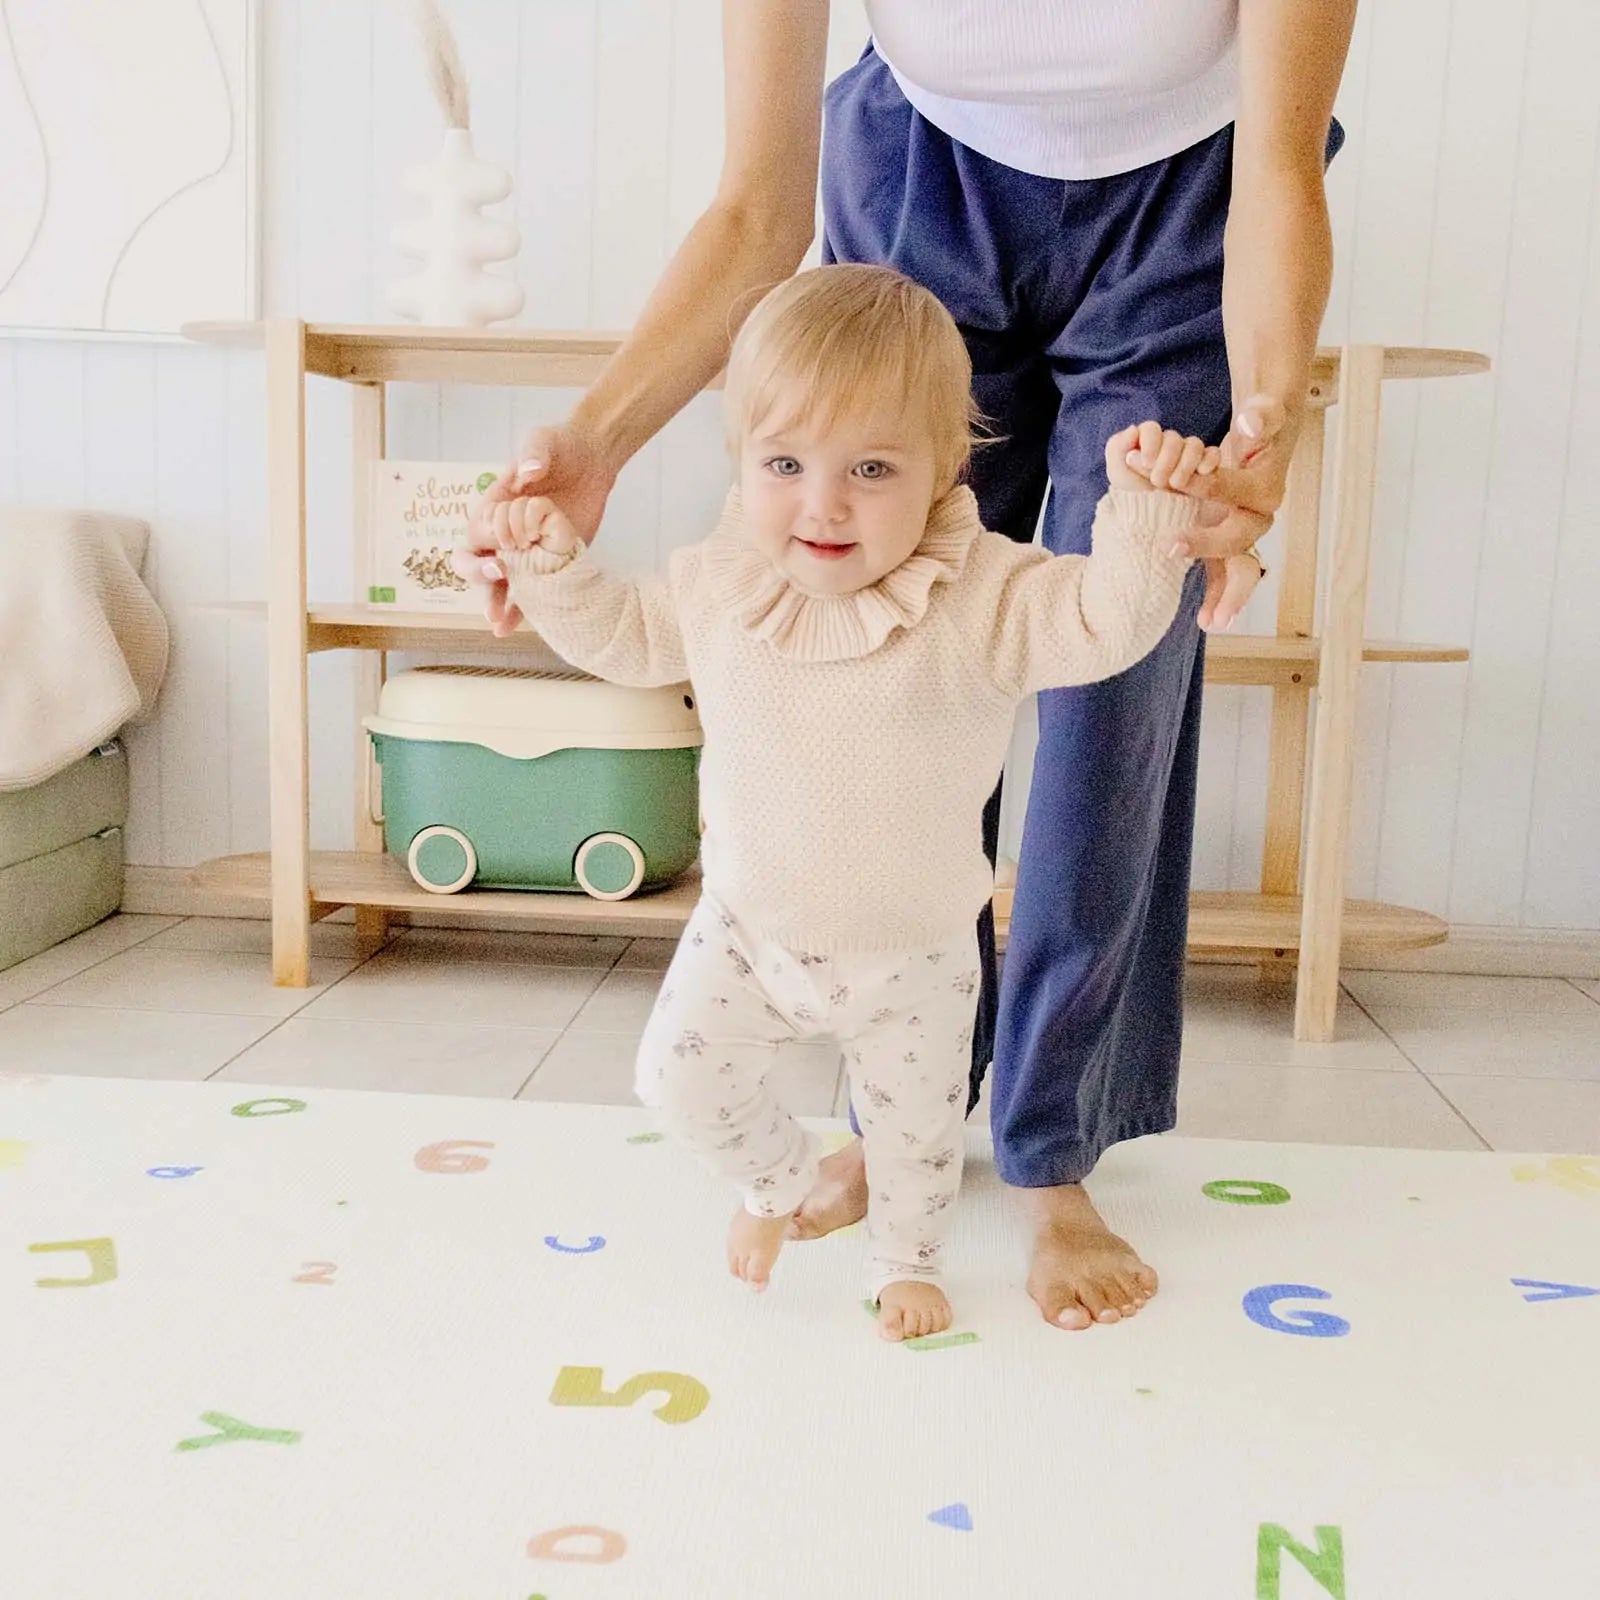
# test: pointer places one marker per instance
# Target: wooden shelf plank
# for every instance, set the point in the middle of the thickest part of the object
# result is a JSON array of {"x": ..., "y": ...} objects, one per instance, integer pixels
[
  {"x": 563, "y": 358},
  {"x": 1264, "y": 659},
  {"x": 1259, "y": 924},
  {"x": 1269, "y": 659},
  {"x": 408, "y": 336},
  {"x": 363, "y": 627},
  {"x": 1399, "y": 650},
  {"x": 346, "y": 878},
  {"x": 359, "y": 615},
  {"x": 1218, "y": 923},
  {"x": 337, "y": 636},
  {"x": 1244, "y": 924}
]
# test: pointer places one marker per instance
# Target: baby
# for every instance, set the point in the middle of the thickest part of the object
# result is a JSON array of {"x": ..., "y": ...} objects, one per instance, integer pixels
[{"x": 858, "y": 644}]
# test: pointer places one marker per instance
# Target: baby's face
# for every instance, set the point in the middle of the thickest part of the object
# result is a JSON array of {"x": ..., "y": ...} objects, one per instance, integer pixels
[{"x": 836, "y": 511}]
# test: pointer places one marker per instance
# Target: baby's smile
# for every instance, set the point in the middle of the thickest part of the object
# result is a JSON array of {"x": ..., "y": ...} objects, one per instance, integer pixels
[{"x": 826, "y": 552}]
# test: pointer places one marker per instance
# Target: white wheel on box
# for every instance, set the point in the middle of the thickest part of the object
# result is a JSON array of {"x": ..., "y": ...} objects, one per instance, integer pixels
[
  {"x": 442, "y": 859},
  {"x": 608, "y": 866}
]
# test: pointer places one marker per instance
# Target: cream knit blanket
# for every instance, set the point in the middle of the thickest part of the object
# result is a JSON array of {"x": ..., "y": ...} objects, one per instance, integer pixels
[{"x": 83, "y": 644}]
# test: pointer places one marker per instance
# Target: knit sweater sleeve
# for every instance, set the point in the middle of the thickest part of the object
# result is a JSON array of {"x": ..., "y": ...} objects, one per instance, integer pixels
[
  {"x": 624, "y": 631},
  {"x": 1046, "y": 622}
]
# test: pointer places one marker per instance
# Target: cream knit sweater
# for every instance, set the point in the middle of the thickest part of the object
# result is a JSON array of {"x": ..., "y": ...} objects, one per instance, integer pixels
[{"x": 851, "y": 742}]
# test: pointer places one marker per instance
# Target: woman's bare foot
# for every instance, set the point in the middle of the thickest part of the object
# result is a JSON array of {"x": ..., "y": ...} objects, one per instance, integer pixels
[
  {"x": 1081, "y": 1272},
  {"x": 912, "y": 1310},
  {"x": 753, "y": 1245},
  {"x": 837, "y": 1199}
]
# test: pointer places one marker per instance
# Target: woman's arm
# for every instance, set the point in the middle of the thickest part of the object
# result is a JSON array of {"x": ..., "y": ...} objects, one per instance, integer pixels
[
  {"x": 753, "y": 234},
  {"x": 1277, "y": 251}
]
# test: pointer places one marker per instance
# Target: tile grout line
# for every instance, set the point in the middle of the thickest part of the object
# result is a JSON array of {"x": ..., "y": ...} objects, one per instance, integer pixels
[
  {"x": 1592, "y": 999},
  {"x": 176, "y": 922},
  {"x": 1372, "y": 1018},
  {"x": 161, "y": 1011},
  {"x": 371, "y": 955},
  {"x": 221, "y": 1066},
  {"x": 360, "y": 962},
  {"x": 1188, "y": 1059},
  {"x": 544, "y": 1057},
  {"x": 1454, "y": 1109},
  {"x": 1511, "y": 1077},
  {"x": 1459, "y": 1112},
  {"x": 616, "y": 961},
  {"x": 559, "y": 1034}
]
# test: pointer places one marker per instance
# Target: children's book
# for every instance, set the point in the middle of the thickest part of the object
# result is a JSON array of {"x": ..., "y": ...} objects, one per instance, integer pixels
[{"x": 420, "y": 511}]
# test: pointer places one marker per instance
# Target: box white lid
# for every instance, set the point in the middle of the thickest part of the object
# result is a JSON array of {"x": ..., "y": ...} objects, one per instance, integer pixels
[{"x": 526, "y": 714}]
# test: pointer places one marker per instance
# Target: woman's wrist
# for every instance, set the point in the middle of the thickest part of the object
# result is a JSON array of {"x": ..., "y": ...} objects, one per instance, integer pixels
[{"x": 600, "y": 428}]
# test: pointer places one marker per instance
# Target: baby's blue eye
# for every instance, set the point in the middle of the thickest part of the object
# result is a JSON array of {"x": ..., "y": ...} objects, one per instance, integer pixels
[
  {"x": 874, "y": 470},
  {"x": 784, "y": 466}
]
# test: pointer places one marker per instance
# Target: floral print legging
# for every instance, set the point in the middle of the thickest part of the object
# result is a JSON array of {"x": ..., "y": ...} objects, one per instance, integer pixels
[{"x": 904, "y": 1024}]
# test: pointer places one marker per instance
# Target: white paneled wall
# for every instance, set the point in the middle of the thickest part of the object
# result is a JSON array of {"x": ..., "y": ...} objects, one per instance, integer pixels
[{"x": 1465, "y": 209}]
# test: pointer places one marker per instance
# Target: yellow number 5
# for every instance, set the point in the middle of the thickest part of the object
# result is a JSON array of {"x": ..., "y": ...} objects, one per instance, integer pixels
[{"x": 581, "y": 1386}]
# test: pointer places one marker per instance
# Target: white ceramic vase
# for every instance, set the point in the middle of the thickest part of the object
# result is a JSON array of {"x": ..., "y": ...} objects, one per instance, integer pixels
[{"x": 453, "y": 241}]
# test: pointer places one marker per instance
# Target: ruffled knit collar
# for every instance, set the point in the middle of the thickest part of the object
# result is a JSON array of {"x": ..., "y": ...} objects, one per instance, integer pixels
[{"x": 813, "y": 627}]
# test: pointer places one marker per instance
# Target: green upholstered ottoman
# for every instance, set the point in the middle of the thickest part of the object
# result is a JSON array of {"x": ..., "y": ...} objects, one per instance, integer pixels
[{"x": 61, "y": 853}]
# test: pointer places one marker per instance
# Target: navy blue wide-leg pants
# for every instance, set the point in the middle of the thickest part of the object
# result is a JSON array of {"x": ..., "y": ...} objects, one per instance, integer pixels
[{"x": 1086, "y": 306}]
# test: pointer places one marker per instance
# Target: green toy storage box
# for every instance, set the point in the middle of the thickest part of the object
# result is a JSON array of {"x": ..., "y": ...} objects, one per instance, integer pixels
[
  {"x": 61, "y": 853},
  {"x": 510, "y": 779}
]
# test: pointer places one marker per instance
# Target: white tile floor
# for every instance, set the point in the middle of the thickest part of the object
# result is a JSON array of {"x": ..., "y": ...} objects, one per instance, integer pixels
[{"x": 1453, "y": 1063}]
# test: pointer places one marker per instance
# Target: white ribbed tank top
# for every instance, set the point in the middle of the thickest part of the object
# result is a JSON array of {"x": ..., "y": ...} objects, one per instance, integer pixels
[{"x": 1065, "y": 88}]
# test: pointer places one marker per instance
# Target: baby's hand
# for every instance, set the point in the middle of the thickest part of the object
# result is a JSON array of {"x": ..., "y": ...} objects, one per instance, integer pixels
[
  {"x": 1152, "y": 457},
  {"x": 1148, "y": 456},
  {"x": 523, "y": 524}
]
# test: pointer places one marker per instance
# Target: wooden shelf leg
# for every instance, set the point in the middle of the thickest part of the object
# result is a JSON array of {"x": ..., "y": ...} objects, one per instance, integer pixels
[
  {"x": 1290, "y": 734},
  {"x": 368, "y": 444},
  {"x": 1338, "y": 684},
  {"x": 288, "y": 745}
]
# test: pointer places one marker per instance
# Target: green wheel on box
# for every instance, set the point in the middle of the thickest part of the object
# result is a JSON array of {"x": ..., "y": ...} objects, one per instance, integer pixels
[
  {"x": 442, "y": 859},
  {"x": 608, "y": 866}
]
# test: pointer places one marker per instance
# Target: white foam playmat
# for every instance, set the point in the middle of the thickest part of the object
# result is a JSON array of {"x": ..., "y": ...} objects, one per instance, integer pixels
[{"x": 331, "y": 1345}]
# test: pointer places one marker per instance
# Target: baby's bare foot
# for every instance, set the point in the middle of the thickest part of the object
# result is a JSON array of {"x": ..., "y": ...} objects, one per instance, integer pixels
[
  {"x": 753, "y": 1245},
  {"x": 911, "y": 1309},
  {"x": 839, "y": 1196}
]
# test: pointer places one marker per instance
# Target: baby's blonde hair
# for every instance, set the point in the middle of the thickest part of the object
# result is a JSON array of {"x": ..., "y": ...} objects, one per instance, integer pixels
[{"x": 847, "y": 338}]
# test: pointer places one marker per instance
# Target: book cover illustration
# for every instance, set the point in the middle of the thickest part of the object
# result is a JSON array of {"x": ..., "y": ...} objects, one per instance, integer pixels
[{"x": 420, "y": 512}]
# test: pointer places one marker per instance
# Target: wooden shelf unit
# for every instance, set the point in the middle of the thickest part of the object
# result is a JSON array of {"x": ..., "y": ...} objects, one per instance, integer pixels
[
  {"x": 1260, "y": 659},
  {"x": 1219, "y": 924},
  {"x": 1298, "y": 913},
  {"x": 351, "y": 878}
]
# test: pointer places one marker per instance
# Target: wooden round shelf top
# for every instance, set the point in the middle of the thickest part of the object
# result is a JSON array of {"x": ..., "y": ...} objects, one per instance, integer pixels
[{"x": 1407, "y": 361}]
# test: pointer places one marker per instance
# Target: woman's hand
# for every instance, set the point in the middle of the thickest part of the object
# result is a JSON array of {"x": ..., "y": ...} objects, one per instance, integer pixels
[
  {"x": 562, "y": 466},
  {"x": 1247, "y": 488},
  {"x": 1148, "y": 456},
  {"x": 1241, "y": 498}
]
